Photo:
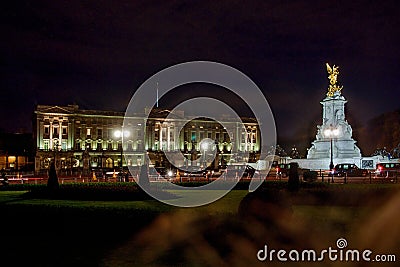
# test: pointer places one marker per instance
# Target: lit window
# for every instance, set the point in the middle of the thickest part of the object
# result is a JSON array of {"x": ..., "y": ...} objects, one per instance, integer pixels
[
  {"x": 64, "y": 145},
  {"x": 88, "y": 131},
  {"x": 46, "y": 144}
]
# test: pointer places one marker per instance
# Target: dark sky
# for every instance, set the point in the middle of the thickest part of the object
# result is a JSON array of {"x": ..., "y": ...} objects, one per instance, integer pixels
[{"x": 95, "y": 53}]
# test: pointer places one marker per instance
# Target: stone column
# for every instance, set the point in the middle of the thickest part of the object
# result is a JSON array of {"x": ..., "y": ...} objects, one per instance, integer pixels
[
  {"x": 247, "y": 141},
  {"x": 168, "y": 137},
  {"x": 51, "y": 136},
  {"x": 251, "y": 141},
  {"x": 70, "y": 144},
  {"x": 39, "y": 134},
  {"x": 161, "y": 141},
  {"x": 59, "y": 133},
  {"x": 236, "y": 148}
]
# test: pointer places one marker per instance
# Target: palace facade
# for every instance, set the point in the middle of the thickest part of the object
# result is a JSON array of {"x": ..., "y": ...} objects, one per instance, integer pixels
[{"x": 85, "y": 140}]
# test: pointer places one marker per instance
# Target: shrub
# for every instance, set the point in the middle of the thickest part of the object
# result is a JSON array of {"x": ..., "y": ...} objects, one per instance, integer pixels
[
  {"x": 294, "y": 181},
  {"x": 310, "y": 176}
]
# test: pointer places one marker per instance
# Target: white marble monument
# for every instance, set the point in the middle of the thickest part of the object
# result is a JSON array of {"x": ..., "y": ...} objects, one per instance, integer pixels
[{"x": 334, "y": 136}]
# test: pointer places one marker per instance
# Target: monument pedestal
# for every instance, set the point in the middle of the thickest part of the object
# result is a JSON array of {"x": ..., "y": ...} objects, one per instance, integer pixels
[{"x": 343, "y": 145}]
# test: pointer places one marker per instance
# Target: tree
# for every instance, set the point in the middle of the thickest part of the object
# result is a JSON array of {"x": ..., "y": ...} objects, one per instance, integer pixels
[
  {"x": 52, "y": 182},
  {"x": 294, "y": 154},
  {"x": 396, "y": 152},
  {"x": 277, "y": 150},
  {"x": 380, "y": 152}
]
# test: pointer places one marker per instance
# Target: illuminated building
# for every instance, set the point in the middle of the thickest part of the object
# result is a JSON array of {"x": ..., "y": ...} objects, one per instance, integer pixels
[
  {"x": 82, "y": 140},
  {"x": 16, "y": 151}
]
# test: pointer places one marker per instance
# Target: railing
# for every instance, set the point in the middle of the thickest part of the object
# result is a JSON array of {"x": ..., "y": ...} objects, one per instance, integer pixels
[
  {"x": 323, "y": 176},
  {"x": 370, "y": 177}
]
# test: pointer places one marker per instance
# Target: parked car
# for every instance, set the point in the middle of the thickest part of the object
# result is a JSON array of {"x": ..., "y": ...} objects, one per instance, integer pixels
[
  {"x": 283, "y": 169},
  {"x": 387, "y": 169},
  {"x": 350, "y": 169}
]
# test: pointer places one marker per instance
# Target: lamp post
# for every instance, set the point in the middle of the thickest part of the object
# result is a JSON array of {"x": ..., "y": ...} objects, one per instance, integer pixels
[
  {"x": 56, "y": 149},
  {"x": 121, "y": 134},
  {"x": 204, "y": 147},
  {"x": 331, "y": 132}
]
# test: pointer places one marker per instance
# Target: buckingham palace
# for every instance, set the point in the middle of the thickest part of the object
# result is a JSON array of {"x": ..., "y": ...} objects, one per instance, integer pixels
[{"x": 82, "y": 140}]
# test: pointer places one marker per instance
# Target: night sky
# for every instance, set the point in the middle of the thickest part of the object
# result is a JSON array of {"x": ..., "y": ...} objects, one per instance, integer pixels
[{"x": 96, "y": 53}]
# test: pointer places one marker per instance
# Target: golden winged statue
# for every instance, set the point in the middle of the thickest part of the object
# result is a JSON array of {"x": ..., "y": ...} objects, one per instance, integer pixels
[{"x": 333, "y": 73}]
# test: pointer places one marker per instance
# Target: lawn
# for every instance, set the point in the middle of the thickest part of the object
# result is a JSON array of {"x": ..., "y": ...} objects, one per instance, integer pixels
[
  {"x": 54, "y": 232},
  {"x": 227, "y": 204}
]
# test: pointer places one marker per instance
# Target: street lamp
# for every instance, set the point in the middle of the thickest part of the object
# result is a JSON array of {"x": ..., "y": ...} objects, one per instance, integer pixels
[
  {"x": 56, "y": 149},
  {"x": 121, "y": 134},
  {"x": 331, "y": 133},
  {"x": 204, "y": 147}
]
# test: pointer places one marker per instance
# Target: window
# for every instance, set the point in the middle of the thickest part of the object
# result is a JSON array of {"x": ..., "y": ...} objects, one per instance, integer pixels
[
  {"x": 99, "y": 133},
  {"x": 226, "y": 137},
  {"x": 78, "y": 132},
  {"x": 55, "y": 131},
  {"x": 64, "y": 145},
  {"x": 88, "y": 130},
  {"x": 64, "y": 130},
  {"x": 209, "y": 135},
  {"x": 193, "y": 136},
  {"x": 46, "y": 144},
  {"x": 46, "y": 129}
]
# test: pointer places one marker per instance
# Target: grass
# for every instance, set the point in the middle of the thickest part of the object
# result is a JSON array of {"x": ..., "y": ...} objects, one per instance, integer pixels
[
  {"x": 228, "y": 203},
  {"x": 17, "y": 198},
  {"x": 148, "y": 233}
]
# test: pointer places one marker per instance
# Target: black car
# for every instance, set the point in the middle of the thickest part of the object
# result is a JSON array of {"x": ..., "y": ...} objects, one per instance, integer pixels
[
  {"x": 283, "y": 169},
  {"x": 350, "y": 169},
  {"x": 387, "y": 169}
]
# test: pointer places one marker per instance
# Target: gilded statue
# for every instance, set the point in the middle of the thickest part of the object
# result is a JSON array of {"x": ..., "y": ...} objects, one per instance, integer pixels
[{"x": 333, "y": 73}]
